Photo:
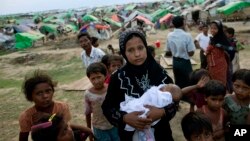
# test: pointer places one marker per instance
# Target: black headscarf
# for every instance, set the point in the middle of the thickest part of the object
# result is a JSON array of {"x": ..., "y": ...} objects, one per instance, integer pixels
[
  {"x": 220, "y": 37},
  {"x": 142, "y": 77}
]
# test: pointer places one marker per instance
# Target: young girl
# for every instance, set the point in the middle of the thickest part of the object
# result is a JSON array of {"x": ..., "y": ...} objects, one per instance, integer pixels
[
  {"x": 113, "y": 62},
  {"x": 54, "y": 128},
  {"x": 103, "y": 130},
  {"x": 39, "y": 88},
  {"x": 237, "y": 105},
  {"x": 217, "y": 59},
  {"x": 194, "y": 93},
  {"x": 197, "y": 126},
  {"x": 140, "y": 72},
  {"x": 214, "y": 93}
]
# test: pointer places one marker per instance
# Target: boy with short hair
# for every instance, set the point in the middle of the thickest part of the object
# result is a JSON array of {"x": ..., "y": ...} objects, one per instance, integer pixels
[
  {"x": 197, "y": 126},
  {"x": 202, "y": 41}
]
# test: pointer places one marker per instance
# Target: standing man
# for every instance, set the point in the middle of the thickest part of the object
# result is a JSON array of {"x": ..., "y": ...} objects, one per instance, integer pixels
[
  {"x": 89, "y": 54},
  {"x": 181, "y": 46}
]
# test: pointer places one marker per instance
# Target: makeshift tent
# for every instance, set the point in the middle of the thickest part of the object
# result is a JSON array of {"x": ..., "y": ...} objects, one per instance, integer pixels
[
  {"x": 233, "y": 7},
  {"x": 97, "y": 30},
  {"x": 145, "y": 20},
  {"x": 115, "y": 17},
  {"x": 89, "y": 18},
  {"x": 48, "y": 28},
  {"x": 166, "y": 18},
  {"x": 159, "y": 14},
  {"x": 25, "y": 40},
  {"x": 130, "y": 7},
  {"x": 136, "y": 13},
  {"x": 112, "y": 22}
]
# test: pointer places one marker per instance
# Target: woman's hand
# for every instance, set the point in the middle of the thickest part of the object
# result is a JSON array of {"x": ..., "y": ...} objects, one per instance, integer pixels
[
  {"x": 154, "y": 113},
  {"x": 137, "y": 122}
]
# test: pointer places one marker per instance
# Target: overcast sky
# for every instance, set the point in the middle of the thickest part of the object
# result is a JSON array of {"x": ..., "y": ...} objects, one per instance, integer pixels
[{"x": 23, "y": 6}]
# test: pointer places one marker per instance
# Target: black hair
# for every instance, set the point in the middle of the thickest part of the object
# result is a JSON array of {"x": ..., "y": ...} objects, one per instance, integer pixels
[
  {"x": 97, "y": 67},
  {"x": 195, "y": 123},
  {"x": 197, "y": 74},
  {"x": 230, "y": 30},
  {"x": 94, "y": 40},
  {"x": 220, "y": 37},
  {"x": 114, "y": 58},
  {"x": 105, "y": 59},
  {"x": 243, "y": 75},
  {"x": 32, "y": 81},
  {"x": 214, "y": 88},
  {"x": 151, "y": 49},
  {"x": 50, "y": 133},
  {"x": 81, "y": 34},
  {"x": 178, "y": 21}
]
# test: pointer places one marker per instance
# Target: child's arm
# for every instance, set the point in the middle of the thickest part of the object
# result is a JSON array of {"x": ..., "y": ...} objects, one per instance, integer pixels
[
  {"x": 200, "y": 84},
  {"x": 88, "y": 121},
  {"x": 81, "y": 128}
]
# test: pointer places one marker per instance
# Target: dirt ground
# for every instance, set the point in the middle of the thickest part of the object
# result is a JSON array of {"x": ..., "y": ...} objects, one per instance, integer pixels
[{"x": 15, "y": 65}]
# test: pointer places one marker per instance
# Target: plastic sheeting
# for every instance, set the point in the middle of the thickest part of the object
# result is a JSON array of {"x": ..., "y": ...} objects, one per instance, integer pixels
[{"x": 233, "y": 7}]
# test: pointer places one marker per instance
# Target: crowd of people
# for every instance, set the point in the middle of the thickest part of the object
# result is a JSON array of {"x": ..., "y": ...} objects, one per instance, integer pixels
[{"x": 133, "y": 98}]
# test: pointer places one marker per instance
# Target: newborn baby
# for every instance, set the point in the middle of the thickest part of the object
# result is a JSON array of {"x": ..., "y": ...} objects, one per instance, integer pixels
[{"x": 158, "y": 96}]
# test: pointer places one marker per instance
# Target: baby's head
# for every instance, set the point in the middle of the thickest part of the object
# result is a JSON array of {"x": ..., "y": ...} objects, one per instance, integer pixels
[{"x": 174, "y": 90}]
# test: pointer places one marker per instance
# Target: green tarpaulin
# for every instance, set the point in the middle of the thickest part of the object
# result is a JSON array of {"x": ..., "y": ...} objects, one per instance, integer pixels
[
  {"x": 158, "y": 14},
  {"x": 25, "y": 40},
  {"x": 48, "y": 28},
  {"x": 112, "y": 22},
  {"x": 89, "y": 18},
  {"x": 233, "y": 7},
  {"x": 130, "y": 7},
  {"x": 72, "y": 27}
]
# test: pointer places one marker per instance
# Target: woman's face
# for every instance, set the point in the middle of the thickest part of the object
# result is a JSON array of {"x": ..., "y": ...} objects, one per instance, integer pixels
[
  {"x": 214, "y": 29},
  {"x": 135, "y": 51},
  {"x": 42, "y": 95},
  {"x": 85, "y": 43},
  {"x": 241, "y": 89}
]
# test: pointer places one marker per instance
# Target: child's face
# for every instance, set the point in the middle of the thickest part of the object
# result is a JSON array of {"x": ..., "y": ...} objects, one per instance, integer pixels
[
  {"x": 205, "y": 136},
  {"x": 42, "y": 95},
  {"x": 65, "y": 133},
  {"x": 85, "y": 43},
  {"x": 114, "y": 65},
  {"x": 205, "y": 30},
  {"x": 136, "y": 52},
  {"x": 228, "y": 35},
  {"x": 214, "y": 102},
  {"x": 214, "y": 29},
  {"x": 97, "y": 80},
  {"x": 241, "y": 89}
]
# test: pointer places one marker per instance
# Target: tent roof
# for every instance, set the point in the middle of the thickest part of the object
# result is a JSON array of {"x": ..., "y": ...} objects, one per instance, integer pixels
[
  {"x": 232, "y": 7},
  {"x": 147, "y": 21},
  {"x": 112, "y": 22},
  {"x": 115, "y": 17},
  {"x": 166, "y": 17},
  {"x": 131, "y": 7},
  {"x": 136, "y": 13},
  {"x": 89, "y": 18}
]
